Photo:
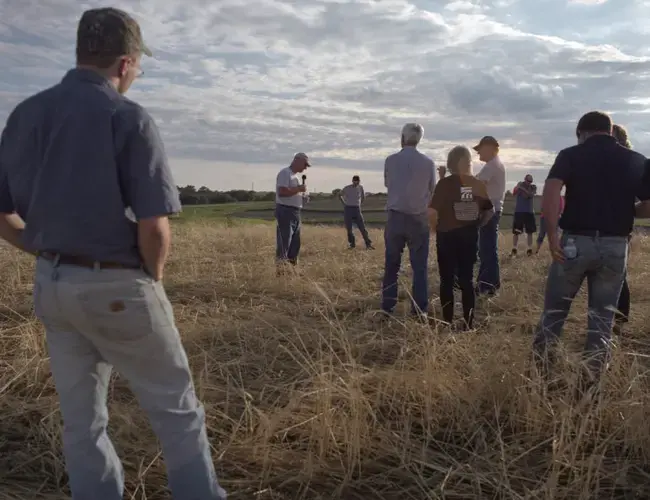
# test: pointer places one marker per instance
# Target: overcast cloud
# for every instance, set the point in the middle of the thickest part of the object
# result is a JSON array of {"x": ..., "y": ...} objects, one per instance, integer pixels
[{"x": 238, "y": 86}]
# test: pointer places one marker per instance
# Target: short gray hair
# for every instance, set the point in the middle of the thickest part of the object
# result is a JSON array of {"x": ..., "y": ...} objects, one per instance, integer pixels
[
  {"x": 456, "y": 154},
  {"x": 412, "y": 133}
]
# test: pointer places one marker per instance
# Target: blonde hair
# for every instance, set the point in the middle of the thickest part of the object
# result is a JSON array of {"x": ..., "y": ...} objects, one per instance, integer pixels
[
  {"x": 620, "y": 134},
  {"x": 455, "y": 156}
]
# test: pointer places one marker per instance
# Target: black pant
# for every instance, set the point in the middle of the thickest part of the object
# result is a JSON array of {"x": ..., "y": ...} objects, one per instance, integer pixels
[
  {"x": 623, "y": 305},
  {"x": 457, "y": 251}
]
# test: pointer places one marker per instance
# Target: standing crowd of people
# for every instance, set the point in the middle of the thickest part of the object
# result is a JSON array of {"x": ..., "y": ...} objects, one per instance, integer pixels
[
  {"x": 606, "y": 186},
  {"x": 76, "y": 158}
]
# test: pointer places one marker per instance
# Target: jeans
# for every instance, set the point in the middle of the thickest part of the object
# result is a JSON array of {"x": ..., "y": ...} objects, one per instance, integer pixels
[
  {"x": 602, "y": 261},
  {"x": 287, "y": 233},
  {"x": 402, "y": 230},
  {"x": 456, "y": 258},
  {"x": 353, "y": 215},
  {"x": 99, "y": 319},
  {"x": 489, "y": 279}
]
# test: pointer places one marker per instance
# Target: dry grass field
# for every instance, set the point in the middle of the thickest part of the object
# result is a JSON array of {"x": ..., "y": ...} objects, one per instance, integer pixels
[{"x": 310, "y": 396}]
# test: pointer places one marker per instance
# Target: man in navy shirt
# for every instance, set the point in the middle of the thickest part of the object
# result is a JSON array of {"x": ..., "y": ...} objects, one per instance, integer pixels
[
  {"x": 74, "y": 159},
  {"x": 602, "y": 180}
]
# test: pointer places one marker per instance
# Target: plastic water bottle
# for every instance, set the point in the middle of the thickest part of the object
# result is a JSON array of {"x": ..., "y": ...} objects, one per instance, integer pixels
[{"x": 570, "y": 249}]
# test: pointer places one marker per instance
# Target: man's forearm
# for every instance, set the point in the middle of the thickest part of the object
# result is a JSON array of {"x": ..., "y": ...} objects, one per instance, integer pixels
[
  {"x": 551, "y": 202},
  {"x": 289, "y": 191},
  {"x": 154, "y": 243},
  {"x": 11, "y": 230}
]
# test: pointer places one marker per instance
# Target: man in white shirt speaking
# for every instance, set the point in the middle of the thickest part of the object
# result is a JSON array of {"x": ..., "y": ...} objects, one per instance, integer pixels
[
  {"x": 289, "y": 198},
  {"x": 493, "y": 174}
]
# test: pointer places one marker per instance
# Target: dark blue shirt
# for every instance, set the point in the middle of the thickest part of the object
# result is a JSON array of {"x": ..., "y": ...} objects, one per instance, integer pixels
[
  {"x": 73, "y": 159},
  {"x": 603, "y": 180}
]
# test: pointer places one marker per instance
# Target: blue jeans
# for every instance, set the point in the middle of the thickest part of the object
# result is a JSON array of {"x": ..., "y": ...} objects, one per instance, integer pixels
[
  {"x": 99, "y": 319},
  {"x": 489, "y": 279},
  {"x": 602, "y": 261},
  {"x": 402, "y": 230},
  {"x": 287, "y": 233},
  {"x": 353, "y": 215}
]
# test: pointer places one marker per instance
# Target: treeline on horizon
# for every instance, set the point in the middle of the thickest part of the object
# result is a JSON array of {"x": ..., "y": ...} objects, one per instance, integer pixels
[{"x": 190, "y": 195}]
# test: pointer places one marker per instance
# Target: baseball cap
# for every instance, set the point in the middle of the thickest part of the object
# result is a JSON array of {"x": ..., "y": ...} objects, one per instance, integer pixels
[
  {"x": 302, "y": 156},
  {"x": 488, "y": 139},
  {"x": 110, "y": 32}
]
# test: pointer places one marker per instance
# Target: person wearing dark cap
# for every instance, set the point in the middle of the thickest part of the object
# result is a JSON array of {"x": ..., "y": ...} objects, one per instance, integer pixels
[
  {"x": 75, "y": 159},
  {"x": 602, "y": 181},
  {"x": 352, "y": 196},
  {"x": 493, "y": 174}
]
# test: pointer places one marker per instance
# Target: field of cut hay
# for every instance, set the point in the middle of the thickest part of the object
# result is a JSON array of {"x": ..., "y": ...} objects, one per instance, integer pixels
[{"x": 310, "y": 396}]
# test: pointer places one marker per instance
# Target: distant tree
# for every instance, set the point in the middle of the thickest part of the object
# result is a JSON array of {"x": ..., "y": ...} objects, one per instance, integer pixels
[{"x": 336, "y": 193}]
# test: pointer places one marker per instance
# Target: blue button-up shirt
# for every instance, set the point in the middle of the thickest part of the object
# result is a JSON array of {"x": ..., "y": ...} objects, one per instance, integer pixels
[{"x": 73, "y": 159}]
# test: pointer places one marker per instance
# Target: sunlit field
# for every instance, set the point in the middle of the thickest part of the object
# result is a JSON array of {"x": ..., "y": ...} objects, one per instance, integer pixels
[{"x": 309, "y": 395}]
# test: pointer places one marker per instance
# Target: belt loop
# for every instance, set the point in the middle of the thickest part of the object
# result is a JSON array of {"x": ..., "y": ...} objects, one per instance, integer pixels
[{"x": 97, "y": 266}]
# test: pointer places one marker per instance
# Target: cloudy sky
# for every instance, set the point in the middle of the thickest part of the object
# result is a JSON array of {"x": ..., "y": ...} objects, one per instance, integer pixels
[{"x": 238, "y": 86}]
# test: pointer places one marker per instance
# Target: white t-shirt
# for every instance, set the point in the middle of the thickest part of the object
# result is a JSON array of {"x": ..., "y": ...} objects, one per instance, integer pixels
[
  {"x": 493, "y": 174},
  {"x": 288, "y": 178}
]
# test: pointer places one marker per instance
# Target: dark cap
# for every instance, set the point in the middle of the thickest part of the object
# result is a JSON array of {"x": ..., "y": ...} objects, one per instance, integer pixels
[
  {"x": 109, "y": 32},
  {"x": 355, "y": 178},
  {"x": 489, "y": 140}
]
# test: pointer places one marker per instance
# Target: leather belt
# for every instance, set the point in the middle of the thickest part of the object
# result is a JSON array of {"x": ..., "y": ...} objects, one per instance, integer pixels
[
  {"x": 75, "y": 260},
  {"x": 594, "y": 233}
]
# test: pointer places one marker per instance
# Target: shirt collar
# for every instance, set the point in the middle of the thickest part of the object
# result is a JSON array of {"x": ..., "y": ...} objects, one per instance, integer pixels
[
  {"x": 601, "y": 137},
  {"x": 87, "y": 75}
]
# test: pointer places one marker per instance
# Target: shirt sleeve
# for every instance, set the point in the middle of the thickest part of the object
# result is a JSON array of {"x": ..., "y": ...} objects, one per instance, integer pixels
[
  {"x": 432, "y": 183},
  {"x": 283, "y": 179},
  {"x": 6, "y": 200},
  {"x": 561, "y": 168},
  {"x": 147, "y": 181}
]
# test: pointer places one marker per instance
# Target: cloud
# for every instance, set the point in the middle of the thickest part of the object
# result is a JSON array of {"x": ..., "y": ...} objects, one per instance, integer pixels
[{"x": 238, "y": 86}]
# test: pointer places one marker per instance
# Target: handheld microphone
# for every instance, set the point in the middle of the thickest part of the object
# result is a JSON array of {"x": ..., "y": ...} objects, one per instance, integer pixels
[{"x": 304, "y": 178}]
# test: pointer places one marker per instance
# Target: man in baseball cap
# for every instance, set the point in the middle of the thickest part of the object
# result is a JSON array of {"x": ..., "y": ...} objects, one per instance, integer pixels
[
  {"x": 488, "y": 140},
  {"x": 110, "y": 39},
  {"x": 493, "y": 174},
  {"x": 99, "y": 273},
  {"x": 302, "y": 158}
]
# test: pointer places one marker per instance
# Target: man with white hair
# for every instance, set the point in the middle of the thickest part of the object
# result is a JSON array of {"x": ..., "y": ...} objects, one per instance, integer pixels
[
  {"x": 410, "y": 179},
  {"x": 289, "y": 197}
]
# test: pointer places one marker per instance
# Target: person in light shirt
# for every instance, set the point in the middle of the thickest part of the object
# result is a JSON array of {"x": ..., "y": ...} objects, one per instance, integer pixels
[
  {"x": 493, "y": 174},
  {"x": 352, "y": 196},
  {"x": 289, "y": 199},
  {"x": 410, "y": 178}
]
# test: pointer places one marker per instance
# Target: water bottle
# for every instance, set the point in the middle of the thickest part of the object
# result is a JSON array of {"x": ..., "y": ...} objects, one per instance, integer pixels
[{"x": 570, "y": 249}]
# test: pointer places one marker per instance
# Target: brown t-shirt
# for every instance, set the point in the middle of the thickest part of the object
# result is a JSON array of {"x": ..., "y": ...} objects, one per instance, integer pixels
[{"x": 459, "y": 201}]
